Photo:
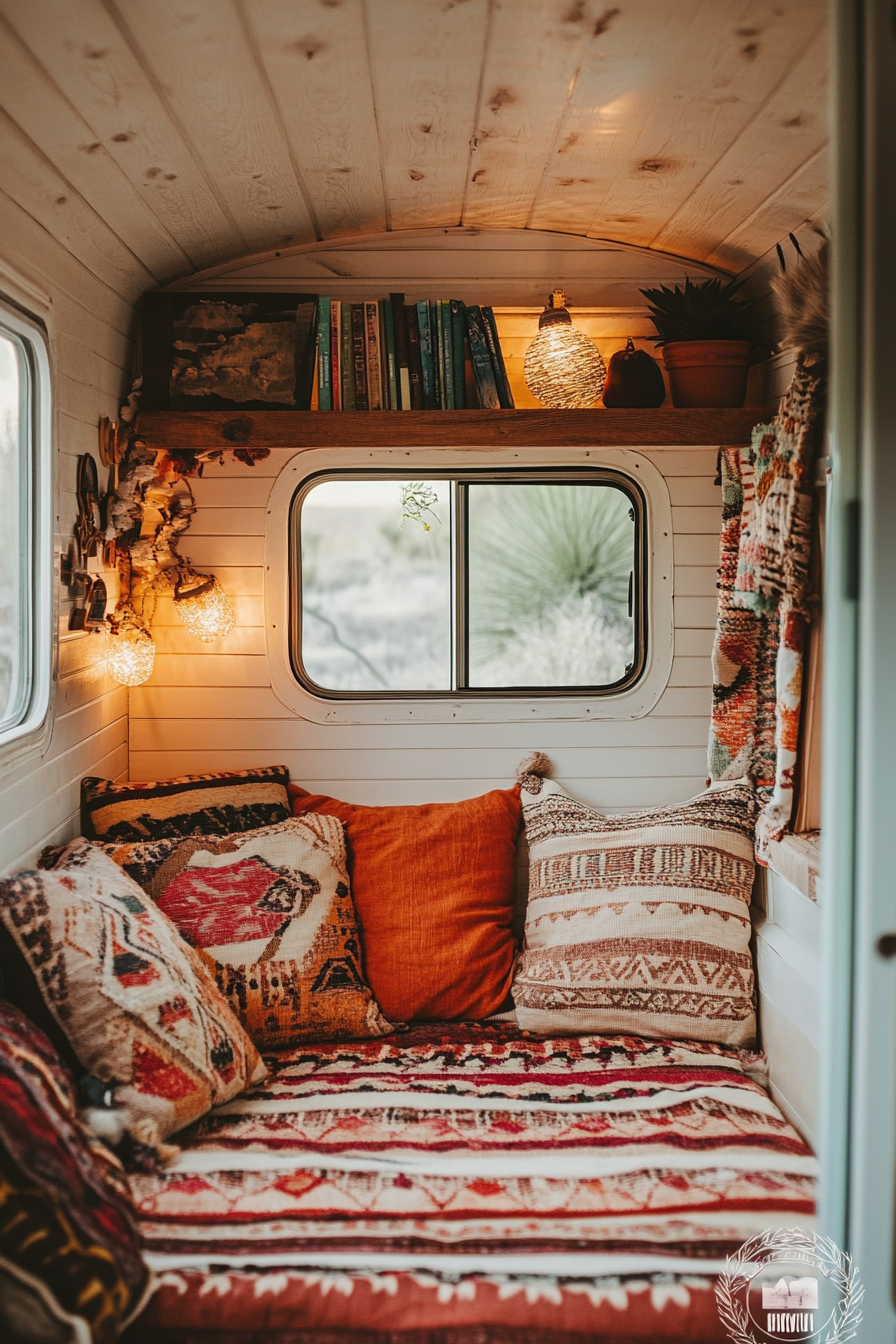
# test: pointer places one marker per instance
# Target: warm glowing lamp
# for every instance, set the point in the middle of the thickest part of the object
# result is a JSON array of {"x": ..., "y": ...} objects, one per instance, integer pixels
[
  {"x": 563, "y": 368},
  {"x": 201, "y": 603},
  {"x": 130, "y": 656}
]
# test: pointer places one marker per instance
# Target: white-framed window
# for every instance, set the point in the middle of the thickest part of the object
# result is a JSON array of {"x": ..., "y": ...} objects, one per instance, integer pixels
[
  {"x": 480, "y": 583},
  {"x": 25, "y": 527},
  {"x": 466, "y": 665}
]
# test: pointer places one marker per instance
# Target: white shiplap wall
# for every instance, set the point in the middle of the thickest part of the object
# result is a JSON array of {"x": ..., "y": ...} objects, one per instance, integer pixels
[
  {"x": 214, "y": 708},
  {"x": 91, "y": 355}
]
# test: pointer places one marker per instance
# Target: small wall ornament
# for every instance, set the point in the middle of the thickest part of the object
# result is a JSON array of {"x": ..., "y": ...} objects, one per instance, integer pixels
[{"x": 146, "y": 514}]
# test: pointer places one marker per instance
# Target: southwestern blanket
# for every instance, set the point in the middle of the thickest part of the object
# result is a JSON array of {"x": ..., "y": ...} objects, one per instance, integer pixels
[
  {"x": 472, "y": 1173},
  {"x": 471, "y": 1140}
]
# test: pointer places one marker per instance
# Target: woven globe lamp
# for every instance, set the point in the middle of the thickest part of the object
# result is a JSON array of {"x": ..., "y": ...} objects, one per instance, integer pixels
[
  {"x": 131, "y": 655},
  {"x": 202, "y": 605},
  {"x": 563, "y": 368}
]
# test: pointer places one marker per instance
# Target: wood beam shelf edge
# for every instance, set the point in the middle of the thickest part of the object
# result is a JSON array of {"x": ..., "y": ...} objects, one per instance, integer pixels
[{"x": 207, "y": 431}]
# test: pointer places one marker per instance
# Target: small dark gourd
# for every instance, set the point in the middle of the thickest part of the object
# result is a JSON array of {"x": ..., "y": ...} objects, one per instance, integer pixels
[{"x": 634, "y": 379}]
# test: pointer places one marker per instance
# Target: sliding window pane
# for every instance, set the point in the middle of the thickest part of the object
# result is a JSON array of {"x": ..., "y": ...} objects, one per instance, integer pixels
[
  {"x": 549, "y": 574},
  {"x": 376, "y": 585},
  {"x": 15, "y": 501}
]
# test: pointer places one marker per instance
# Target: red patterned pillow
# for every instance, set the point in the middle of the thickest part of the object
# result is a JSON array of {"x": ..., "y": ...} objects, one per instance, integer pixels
[
  {"x": 271, "y": 913},
  {"x": 70, "y": 1252},
  {"x": 137, "y": 1004}
]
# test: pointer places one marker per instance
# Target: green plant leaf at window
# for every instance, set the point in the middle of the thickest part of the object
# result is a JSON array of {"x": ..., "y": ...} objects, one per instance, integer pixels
[{"x": 417, "y": 499}]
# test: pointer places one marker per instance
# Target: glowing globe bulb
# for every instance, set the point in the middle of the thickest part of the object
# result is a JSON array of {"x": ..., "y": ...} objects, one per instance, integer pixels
[
  {"x": 204, "y": 608},
  {"x": 563, "y": 368},
  {"x": 131, "y": 656}
]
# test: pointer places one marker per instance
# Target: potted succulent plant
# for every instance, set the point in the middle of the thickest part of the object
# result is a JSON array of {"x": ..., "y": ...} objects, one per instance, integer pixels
[{"x": 708, "y": 336}]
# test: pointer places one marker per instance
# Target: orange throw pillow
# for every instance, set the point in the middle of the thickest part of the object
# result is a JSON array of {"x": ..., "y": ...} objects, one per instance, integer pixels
[{"x": 433, "y": 892}]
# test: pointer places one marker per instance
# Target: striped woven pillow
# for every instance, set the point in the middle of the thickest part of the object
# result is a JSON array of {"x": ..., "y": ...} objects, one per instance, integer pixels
[
  {"x": 222, "y": 803},
  {"x": 638, "y": 923}
]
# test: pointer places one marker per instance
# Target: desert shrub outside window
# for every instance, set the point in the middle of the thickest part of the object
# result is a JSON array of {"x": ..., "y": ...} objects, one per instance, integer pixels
[{"x": 475, "y": 584}]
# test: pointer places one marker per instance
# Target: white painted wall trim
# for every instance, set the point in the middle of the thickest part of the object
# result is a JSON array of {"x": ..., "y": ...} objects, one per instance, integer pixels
[
  {"x": 633, "y": 703},
  {"x": 27, "y": 312}
]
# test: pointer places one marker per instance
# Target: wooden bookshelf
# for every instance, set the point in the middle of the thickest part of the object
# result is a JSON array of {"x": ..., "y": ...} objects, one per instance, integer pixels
[{"x": 204, "y": 431}]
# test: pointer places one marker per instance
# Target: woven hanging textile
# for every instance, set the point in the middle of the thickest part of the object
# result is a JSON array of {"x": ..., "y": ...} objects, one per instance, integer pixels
[
  {"x": 742, "y": 732},
  {"x": 765, "y": 550}
]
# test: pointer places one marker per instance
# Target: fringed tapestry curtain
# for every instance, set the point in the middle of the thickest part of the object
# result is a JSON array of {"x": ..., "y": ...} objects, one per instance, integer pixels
[{"x": 765, "y": 554}]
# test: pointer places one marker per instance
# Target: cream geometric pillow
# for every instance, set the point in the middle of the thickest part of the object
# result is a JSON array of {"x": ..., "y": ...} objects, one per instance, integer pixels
[
  {"x": 638, "y": 924},
  {"x": 138, "y": 1006}
]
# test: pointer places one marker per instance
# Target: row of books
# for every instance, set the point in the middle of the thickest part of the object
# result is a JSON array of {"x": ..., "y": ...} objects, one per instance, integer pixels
[{"x": 432, "y": 355}]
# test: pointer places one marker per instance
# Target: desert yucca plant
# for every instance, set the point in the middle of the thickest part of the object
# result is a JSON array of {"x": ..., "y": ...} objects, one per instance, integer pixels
[
  {"x": 534, "y": 547},
  {"x": 709, "y": 311}
]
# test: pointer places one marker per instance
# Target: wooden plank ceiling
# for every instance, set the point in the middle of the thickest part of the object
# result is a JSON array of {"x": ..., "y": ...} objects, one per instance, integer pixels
[{"x": 160, "y": 138}]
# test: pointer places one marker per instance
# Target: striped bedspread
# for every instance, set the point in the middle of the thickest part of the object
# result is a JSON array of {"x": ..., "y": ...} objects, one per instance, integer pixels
[{"x": 470, "y": 1148}]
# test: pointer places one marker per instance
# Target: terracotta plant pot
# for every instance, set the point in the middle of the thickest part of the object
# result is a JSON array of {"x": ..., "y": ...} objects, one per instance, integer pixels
[{"x": 708, "y": 373}]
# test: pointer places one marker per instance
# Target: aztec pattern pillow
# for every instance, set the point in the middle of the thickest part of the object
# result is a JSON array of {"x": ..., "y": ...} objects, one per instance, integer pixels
[
  {"x": 218, "y": 804},
  {"x": 271, "y": 914},
  {"x": 137, "y": 1004},
  {"x": 638, "y": 923},
  {"x": 70, "y": 1253}
]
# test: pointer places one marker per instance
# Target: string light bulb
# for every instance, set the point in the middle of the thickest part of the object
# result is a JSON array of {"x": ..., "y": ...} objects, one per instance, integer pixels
[
  {"x": 563, "y": 368},
  {"x": 131, "y": 655},
  {"x": 202, "y": 605}
]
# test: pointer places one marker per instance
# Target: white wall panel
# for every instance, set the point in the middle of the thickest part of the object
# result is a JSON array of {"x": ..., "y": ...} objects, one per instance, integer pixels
[
  {"x": 91, "y": 357},
  {"x": 210, "y": 707}
]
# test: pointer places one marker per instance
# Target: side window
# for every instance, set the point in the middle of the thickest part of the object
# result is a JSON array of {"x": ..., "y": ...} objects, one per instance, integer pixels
[
  {"x": 528, "y": 583},
  {"x": 25, "y": 615}
]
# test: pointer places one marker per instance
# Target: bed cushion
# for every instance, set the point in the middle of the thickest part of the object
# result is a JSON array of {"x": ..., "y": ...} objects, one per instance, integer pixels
[
  {"x": 433, "y": 889},
  {"x": 214, "y": 804},
  {"x": 137, "y": 1004},
  {"x": 429, "y": 1306},
  {"x": 271, "y": 914},
  {"x": 70, "y": 1251},
  {"x": 470, "y": 1146},
  {"x": 640, "y": 922}
]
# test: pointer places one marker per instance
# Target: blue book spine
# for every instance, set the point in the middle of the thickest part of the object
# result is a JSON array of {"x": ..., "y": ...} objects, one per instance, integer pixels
[
  {"x": 434, "y": 329},
  {"x": 493, "y": 341},
  {"x": 482, "y": 360},
  {"x": 426, "y": 356},
  {"x": 447, "y": 355},
  {"x": 458, "y": 332},
  {"x": 324, "y": 363}
]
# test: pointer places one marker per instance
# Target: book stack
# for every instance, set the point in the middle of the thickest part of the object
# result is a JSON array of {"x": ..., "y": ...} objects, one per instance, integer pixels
[{"x": 388, "y": 355}]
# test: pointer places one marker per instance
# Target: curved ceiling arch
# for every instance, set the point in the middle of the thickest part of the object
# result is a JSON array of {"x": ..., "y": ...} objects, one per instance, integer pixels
[{"x": 510, "y": 267}]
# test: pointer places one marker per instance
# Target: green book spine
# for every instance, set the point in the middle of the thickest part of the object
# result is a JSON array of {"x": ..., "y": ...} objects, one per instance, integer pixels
[
  {"x": 439, "y": 350},
  {"x": 458, "y": 332},
  {"x": 324, "y": 365},
  {"x": 448, "y": 361},
  {"x": 391, "y": 360},
  {"x": 346, "y": 369},
  {"x": 426, "y": 360}
]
